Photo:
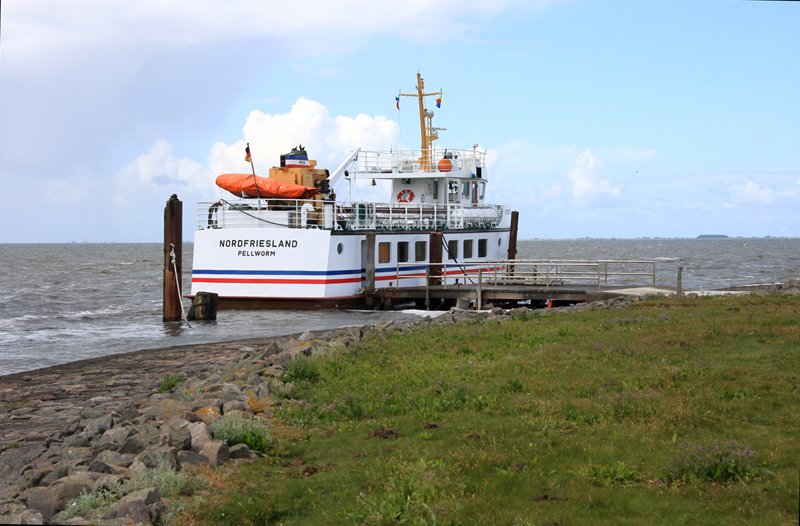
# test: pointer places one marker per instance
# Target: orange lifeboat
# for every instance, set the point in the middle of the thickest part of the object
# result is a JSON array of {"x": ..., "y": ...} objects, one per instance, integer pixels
[
  {"x": 249, "y": 185},
  {"x": 445, "y": 165}
]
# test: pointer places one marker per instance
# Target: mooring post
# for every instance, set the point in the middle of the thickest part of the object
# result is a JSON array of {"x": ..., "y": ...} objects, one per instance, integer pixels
[
  {"x": 512, "y": 241},
  {"x": 173, "y": 247},
  {"x": 428, "y": 288},
  {"x": 479, "y": 300},
  {"x": 679, "y": 287},
  {"x": 512, "y": 235},
  {"x": 369, "y": 247},
  {"x": 435, "y": 259}
]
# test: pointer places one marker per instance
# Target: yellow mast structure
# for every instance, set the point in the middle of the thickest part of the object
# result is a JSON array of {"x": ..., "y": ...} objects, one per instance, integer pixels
[{"x": 427, "y": 131}]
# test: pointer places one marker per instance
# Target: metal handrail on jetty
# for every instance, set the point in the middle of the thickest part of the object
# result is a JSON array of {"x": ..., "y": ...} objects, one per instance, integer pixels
[
  {"x": 565, "y": 281},
  {"x": 541, "y": 272}
]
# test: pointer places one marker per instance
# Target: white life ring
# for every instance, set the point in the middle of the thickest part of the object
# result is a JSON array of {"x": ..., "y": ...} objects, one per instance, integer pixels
[{"x": 405, "y": 196}]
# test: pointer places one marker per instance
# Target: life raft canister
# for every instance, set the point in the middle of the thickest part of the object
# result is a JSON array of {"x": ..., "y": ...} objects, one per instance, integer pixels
[
  {"x": 445, "y": 165},
  {"x": 405, "y": 196}
]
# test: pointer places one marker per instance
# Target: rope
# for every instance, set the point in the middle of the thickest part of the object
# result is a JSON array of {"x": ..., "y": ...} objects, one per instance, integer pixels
[
  {"x": 459, "y": 265},
  {"x": 177, "y": 282}
]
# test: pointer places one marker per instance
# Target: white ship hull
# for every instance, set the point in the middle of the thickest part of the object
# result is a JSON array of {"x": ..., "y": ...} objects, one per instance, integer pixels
[{"x": 310, "y": 267}]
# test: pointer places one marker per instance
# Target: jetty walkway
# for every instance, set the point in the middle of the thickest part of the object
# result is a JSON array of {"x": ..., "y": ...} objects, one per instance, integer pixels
[{"x": 537, "y": 282}]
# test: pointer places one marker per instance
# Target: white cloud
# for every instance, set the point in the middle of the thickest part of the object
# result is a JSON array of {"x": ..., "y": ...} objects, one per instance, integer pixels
[
  {"x": 752, "y": 192},
  {"x": 160, "y": 169},
  {"x": 34, "y": 28},
  {"x": 587, "y": 186},
  {"x": 793, "y": 192},
  {"x": 327, "y": 139}
]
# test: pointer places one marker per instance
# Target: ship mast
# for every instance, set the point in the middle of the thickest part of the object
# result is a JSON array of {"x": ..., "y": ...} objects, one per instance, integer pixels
[{"x": 427, "y": 131}]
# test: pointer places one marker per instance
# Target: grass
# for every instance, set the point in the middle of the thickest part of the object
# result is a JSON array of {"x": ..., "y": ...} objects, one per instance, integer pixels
[
  {"x": 234, "y": 429},
  {"x": 667, "y": 411},
  {"x": 170, "y": 381},
  {"x": 88, "y": 501},
  {"x": 169, "y": 483}
]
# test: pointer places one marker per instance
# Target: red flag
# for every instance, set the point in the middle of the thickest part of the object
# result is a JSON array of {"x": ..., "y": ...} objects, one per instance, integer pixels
[{"x": 247, "y": 154}]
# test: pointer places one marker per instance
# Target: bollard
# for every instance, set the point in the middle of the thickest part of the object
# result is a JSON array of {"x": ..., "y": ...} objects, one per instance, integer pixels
[{"x": 204, "y": 307}]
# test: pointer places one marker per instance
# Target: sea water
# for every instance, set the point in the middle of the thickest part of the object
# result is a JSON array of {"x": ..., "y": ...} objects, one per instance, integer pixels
[{"x": 66, "y": 302}]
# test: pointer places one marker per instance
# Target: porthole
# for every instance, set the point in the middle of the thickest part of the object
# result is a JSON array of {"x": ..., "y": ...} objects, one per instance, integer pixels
[{"x": 339, "y": 248}]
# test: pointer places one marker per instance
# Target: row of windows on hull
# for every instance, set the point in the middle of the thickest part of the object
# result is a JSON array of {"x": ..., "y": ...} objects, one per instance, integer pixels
[{"x": 402, "y": 249}]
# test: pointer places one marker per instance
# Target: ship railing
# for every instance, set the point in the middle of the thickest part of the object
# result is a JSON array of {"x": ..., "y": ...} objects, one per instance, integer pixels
[
  {"x": 372, "y": 163},
  {"x": 540, "y": 272},
  {"x": 328, "y": 215}
]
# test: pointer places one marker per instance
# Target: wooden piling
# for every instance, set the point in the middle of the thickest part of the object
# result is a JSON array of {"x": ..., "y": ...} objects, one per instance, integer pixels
[
  {"x": 369, "y": 248},
  {"x": 512, "y": 236},
  {"x": 679, "y": 285},
  {"x": 173, "y": 244},
  {"x": 435, "y": 259},
  {"x": 478, "y": 298},
  {"x": 428, "y": 288}
]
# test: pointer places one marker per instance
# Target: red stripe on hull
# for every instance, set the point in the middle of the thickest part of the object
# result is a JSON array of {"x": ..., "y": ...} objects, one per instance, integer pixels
[{"x": 263, "y": 281}]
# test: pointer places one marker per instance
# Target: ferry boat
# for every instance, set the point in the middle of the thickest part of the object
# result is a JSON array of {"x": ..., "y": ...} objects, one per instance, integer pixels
[{"x": 286, "y": 241}]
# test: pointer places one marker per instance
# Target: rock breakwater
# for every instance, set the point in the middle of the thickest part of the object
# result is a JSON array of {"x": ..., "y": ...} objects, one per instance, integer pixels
[{"x": 89, "y": 426}]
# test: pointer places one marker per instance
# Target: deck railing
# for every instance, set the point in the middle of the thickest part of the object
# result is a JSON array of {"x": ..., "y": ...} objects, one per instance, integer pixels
[
  {"x": 410, "y": 161},
  {"x": 298, "y": 213}
]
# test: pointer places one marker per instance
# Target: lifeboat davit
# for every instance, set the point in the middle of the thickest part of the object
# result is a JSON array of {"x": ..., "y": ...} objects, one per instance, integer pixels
[{"x": 249, "y": 185}]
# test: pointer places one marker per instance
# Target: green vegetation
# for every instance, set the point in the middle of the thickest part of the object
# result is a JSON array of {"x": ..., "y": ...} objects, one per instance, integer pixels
[
  {"x": 87, "y": 501},
  {"x": 167, "y": 481},
  {"x": 302, "y": 370},
  {"x": 237, "y": 429},
  {"x": 12, "y": 445},
  {"x": 672, "y": 411},
  {"x": 170, "y": 381}
]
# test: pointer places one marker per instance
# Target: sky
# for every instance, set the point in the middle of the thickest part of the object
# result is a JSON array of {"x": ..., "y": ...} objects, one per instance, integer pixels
[{"x": 600, "y": 118}]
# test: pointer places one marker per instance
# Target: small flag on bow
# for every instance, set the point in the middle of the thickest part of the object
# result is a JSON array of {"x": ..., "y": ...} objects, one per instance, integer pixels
[{"x": 247, "y": 154}]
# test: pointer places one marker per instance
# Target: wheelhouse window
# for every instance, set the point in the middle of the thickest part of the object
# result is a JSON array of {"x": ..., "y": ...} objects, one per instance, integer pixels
[
  {"x": 465, "y": 190},
  {"x": 436, "y": 191},
  {"x": 402, "y": 251},
  {"x": 384, "y": 252},
  {"x": 452, "y": 188},
  {"x": 467, "y": 248},
  {"x": 420, "y": 250},
  {"x": 482, "y": 244},
  {"x": 452, "y": 249},
  {"x": 481, "y": 190}
]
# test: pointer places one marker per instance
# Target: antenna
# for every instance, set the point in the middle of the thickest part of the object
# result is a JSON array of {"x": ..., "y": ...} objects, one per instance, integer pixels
[{"x": 427, "y": 132}]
